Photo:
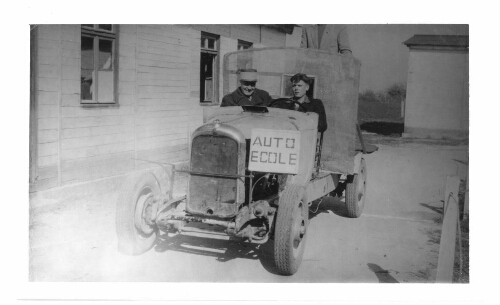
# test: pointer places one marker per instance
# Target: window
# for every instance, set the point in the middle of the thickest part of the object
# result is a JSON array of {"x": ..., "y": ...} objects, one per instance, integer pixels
[
  {"x": 98, "y": 64},
  {"x": 209, "y": 68},
  {"x": 243, "y": 45}
]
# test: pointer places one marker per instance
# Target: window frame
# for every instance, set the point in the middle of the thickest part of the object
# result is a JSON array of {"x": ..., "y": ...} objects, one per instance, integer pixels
[
  {"x": 96, "y": 34},
  {"x": 215, "y": 68},
  {"x": 245, "y": 45}
]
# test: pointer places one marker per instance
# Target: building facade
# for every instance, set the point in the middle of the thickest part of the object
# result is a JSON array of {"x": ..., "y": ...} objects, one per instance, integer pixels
[
  {"x": 437, "y": 98},
  {"x": 107, "y": 100}
]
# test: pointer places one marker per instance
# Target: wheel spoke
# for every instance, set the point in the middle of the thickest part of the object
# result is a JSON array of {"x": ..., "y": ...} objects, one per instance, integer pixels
[
  {"x": 135, "y": 234},
  {"x": 142, "y": 207},
  {"x": 303, "y": 230}
]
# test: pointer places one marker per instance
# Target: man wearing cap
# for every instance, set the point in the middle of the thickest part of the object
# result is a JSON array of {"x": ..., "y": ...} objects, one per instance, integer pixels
[{"x": 247, "y": 94}]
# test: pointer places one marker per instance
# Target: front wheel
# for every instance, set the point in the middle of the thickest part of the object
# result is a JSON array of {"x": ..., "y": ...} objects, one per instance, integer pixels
[
  {"x": 134, "y": 227},
  {"x": 291, "y": 229},
  {"x": 356, "y": 192}
]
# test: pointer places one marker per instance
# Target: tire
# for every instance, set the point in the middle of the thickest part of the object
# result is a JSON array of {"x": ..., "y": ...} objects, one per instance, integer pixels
[
  {"x": 291, "y": 230},
  {"x": 355, "y": 192},
  {"x": 135, "y": 235}
]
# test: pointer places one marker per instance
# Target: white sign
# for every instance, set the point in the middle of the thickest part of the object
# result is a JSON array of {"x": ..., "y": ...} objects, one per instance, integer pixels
[{"x": 275, "y": 151}]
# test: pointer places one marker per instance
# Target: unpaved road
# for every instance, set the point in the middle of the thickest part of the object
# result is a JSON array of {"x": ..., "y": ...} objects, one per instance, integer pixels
[{"x": 72, "y": 238}]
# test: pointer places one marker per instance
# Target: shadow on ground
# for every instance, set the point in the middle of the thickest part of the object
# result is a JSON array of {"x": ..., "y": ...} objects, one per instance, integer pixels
[
  {"x": 326, "y": 205},
  {"x": 224, "y": 250},
  {"x": 437, "y": 209},
  {"x": 383, "y": 128},
  {"x": 382, "y": 274},
  {"x": 221, "y": 250}
]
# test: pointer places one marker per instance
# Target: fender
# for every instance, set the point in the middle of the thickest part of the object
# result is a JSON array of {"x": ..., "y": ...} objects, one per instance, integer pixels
[{"x": 357, "y": 162}]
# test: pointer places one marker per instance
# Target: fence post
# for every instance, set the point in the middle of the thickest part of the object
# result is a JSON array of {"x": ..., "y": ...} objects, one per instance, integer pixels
[
  {"x": 449, "y": 231},
  {"x": 466, "y": 203}
]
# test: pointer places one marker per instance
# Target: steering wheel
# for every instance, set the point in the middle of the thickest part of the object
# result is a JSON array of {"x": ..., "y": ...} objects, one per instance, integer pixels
[{"x": 286, "y": 99}]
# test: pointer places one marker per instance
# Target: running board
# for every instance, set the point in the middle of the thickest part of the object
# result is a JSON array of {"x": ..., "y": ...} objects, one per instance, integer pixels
[{"x": 321, "y": 186}]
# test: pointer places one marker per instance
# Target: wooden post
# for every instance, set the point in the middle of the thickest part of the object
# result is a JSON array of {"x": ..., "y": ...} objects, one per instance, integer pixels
[
  {"x": 449, "y": 231},
  {"x": 33, "y": 131},
  {"x": 466, "y": 203}
]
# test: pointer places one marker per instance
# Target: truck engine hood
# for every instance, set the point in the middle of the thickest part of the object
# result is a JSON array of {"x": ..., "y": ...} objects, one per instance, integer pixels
[{"x": 275, "y": 119}]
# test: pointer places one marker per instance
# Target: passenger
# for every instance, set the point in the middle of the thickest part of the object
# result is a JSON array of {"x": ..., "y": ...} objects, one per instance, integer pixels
[
  {"x": 327, "y": 37},
  {"x": 301, "y": 84},
  {"x": 247, "y": 94}
]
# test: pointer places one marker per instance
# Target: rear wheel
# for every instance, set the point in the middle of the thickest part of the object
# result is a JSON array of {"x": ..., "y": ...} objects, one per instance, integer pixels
[
  {"x": 135, "y": 229},
  {"x": 355, "y": 192},
  {"x": 291, "y": 229}
]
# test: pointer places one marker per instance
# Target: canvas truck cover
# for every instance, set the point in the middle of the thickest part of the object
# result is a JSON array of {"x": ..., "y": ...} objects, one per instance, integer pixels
[{"x": 336, "y": 83}]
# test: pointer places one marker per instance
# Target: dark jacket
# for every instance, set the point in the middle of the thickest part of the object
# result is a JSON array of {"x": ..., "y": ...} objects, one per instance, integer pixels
[
  {"x": 334, "y": 39},
  {"x": 237, "y": 98},
  {"x": 310, "y": 105}
]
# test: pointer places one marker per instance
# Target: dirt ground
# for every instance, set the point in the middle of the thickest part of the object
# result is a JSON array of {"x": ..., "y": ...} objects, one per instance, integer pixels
[{"x": 396, "y": 240}]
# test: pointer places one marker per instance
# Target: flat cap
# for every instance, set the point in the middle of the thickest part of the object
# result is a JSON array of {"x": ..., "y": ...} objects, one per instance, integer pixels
[{"x": 249, "y": 75}]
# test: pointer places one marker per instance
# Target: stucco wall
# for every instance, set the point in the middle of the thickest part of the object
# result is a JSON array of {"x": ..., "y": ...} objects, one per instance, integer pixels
[{"x": 437, "y": 100}]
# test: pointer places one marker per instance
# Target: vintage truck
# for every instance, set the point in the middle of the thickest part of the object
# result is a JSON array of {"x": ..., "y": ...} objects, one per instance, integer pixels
[{"x": 254, "y": 171}]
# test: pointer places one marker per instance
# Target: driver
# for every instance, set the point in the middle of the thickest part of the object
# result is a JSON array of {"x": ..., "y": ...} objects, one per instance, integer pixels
[
  {"x": 300, "y": 85},
  {"x": 247, "y": 94}
]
